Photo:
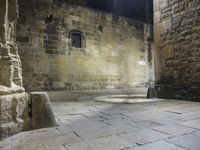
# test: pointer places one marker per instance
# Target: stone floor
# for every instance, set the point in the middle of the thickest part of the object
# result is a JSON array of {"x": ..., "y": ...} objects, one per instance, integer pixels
[{"x": 132, "y": 124}]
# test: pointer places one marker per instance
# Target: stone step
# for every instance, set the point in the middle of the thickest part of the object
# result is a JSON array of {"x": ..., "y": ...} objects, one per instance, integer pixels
[{"x": 90, "y": 94}]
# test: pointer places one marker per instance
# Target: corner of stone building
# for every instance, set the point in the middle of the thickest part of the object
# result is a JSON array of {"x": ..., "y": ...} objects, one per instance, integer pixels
[
  {"x": 14, "y": 101},
  {"x": 176, "y": 40},
  {"x": 14, "y": 116}
]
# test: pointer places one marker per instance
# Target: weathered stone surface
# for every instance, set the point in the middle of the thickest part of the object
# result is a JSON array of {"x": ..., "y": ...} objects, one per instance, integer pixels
[
  {"x": 14, "y": 114},
  {"x": 162, "y": 145},
  {"x": 175, "y": 130},
  {"x": 13, "y": 101},
  {"x": 113, "y": 53},
  {"x": 10, "y": 73},
  {"x": 89, "y": 125},
  {"x": 188, "y": 141},
  {"x": 42, "y": 114},
  {"x": 176, "y": 41}
]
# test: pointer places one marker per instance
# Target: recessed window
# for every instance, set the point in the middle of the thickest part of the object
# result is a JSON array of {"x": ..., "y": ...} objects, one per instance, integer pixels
[{"x": 76, "y": 40}]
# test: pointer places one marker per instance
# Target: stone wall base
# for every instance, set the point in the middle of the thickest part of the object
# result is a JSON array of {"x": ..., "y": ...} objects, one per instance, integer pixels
[
  {"x": 14, "y": 116},
  {"x": 179, "y": 92}
]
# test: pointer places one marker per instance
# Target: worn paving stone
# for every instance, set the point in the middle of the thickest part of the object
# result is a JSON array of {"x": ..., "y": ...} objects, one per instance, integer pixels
[
  {"x": 91, "y": 133},
  {"x": 144, "y": 136},
  {"x": 90, "y": 125},
  {"x": 107, "y": 143},
  {"x": 87, "y": 124},
  {"x": 174, "y": 129},
  {"x": 48, "y": 143},
  {"x": 62, "y": 119},
  {"x": 73, "y": 118},
  {"x": 149, "y": 115},
  {"x": 145, "y": 125},
  {"x": 166, "y": 121},
  {"x": 160, "y": 145},
  {"x": 118, "y": 121},
  {"x": 42, "y": 134},
  {"x": 190, "y": 116},
  {"x": 93, "y": 114},
  {"x": 197, "y": 132},
  {"x": 193, "y": 123},
  {"x": 39, "y": 145},
  {"x": 189, "y": 141},
  {"x": 6, "y": 144}
]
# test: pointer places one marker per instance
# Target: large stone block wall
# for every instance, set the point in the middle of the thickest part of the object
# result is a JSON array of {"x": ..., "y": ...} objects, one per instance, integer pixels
[
  {"x": 177, "y": 48},
  {"x": 113, "y": 55}
]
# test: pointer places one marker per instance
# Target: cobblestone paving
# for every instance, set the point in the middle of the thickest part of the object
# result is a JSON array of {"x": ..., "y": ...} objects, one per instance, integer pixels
[{"x": 95, "y": 125}]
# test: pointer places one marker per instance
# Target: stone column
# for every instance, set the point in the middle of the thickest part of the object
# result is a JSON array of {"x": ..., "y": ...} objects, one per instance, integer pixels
[
  {"x": 13, "y": 99},
  {"x": 149, "y": 59}
]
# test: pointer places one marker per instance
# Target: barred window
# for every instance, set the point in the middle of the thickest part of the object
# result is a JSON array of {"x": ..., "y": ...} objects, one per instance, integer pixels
[{"x": 76, "y": 40}]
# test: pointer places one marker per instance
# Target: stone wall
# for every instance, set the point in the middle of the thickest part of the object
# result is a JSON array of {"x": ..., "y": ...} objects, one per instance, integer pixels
[
  {"x": 13, "y": 99},
  {"x": 177, "y": 48},
  {"x": 112, "y": 55}
]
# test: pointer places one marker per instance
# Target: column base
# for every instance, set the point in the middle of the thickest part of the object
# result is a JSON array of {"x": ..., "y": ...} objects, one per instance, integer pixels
[{"x": 14, "y": 114}]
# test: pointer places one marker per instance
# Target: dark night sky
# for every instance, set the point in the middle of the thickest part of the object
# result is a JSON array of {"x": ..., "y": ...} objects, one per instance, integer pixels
[
  {"x": 135, "y": 9},
  {"x": 129, "y": 8}
]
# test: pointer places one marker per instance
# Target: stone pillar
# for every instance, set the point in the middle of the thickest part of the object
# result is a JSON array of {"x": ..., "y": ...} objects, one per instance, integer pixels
[
  {"x": 149, "y": 59},
  {"x": 148, "y": 38},
  {"x": 13, "y": 99}
]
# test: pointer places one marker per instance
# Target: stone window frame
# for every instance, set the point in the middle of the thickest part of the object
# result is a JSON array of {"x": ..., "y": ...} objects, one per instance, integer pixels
[{"x": 83, "y": 41}]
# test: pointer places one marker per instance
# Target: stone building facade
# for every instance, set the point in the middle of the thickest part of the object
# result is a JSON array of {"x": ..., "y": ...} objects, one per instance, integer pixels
[
  {"x": 68, "y": 47},
  {"x": 177, "y": 48}
]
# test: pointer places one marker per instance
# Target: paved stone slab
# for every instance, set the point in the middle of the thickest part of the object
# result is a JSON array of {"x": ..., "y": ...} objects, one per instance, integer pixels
[
  {"x": 39, "y": 145},
  {"x": 160, "y": 145},
  {"x": 144, "y": 136},
  {"x": 92, "y": 115},
  {"x": 73, "y": 118},
  {"x": 6, "y": 144},
  {"x": 107, "y": 143},
  {"x": 70, "y": 137},
  {"x": 196, "y": 132},
  {"x": 174, "y": 129},
  {"x": 48, "y": 143},
  {"x": 87, "y": 124},
  {"x": 93, "y": 125},
  {"x": 118, "y": 121},
  {"x": 145, "y": 125},
  {"x": 42, "y": 134},
  {"x": 62, "y": 119},
  {"x": 166, "y": 121},
  {"x": 91, "y": 133},
  {"x": 190, "y": 116},
  {"x": 189, "y": 141},
  {"x": 193, "y": 124}
]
